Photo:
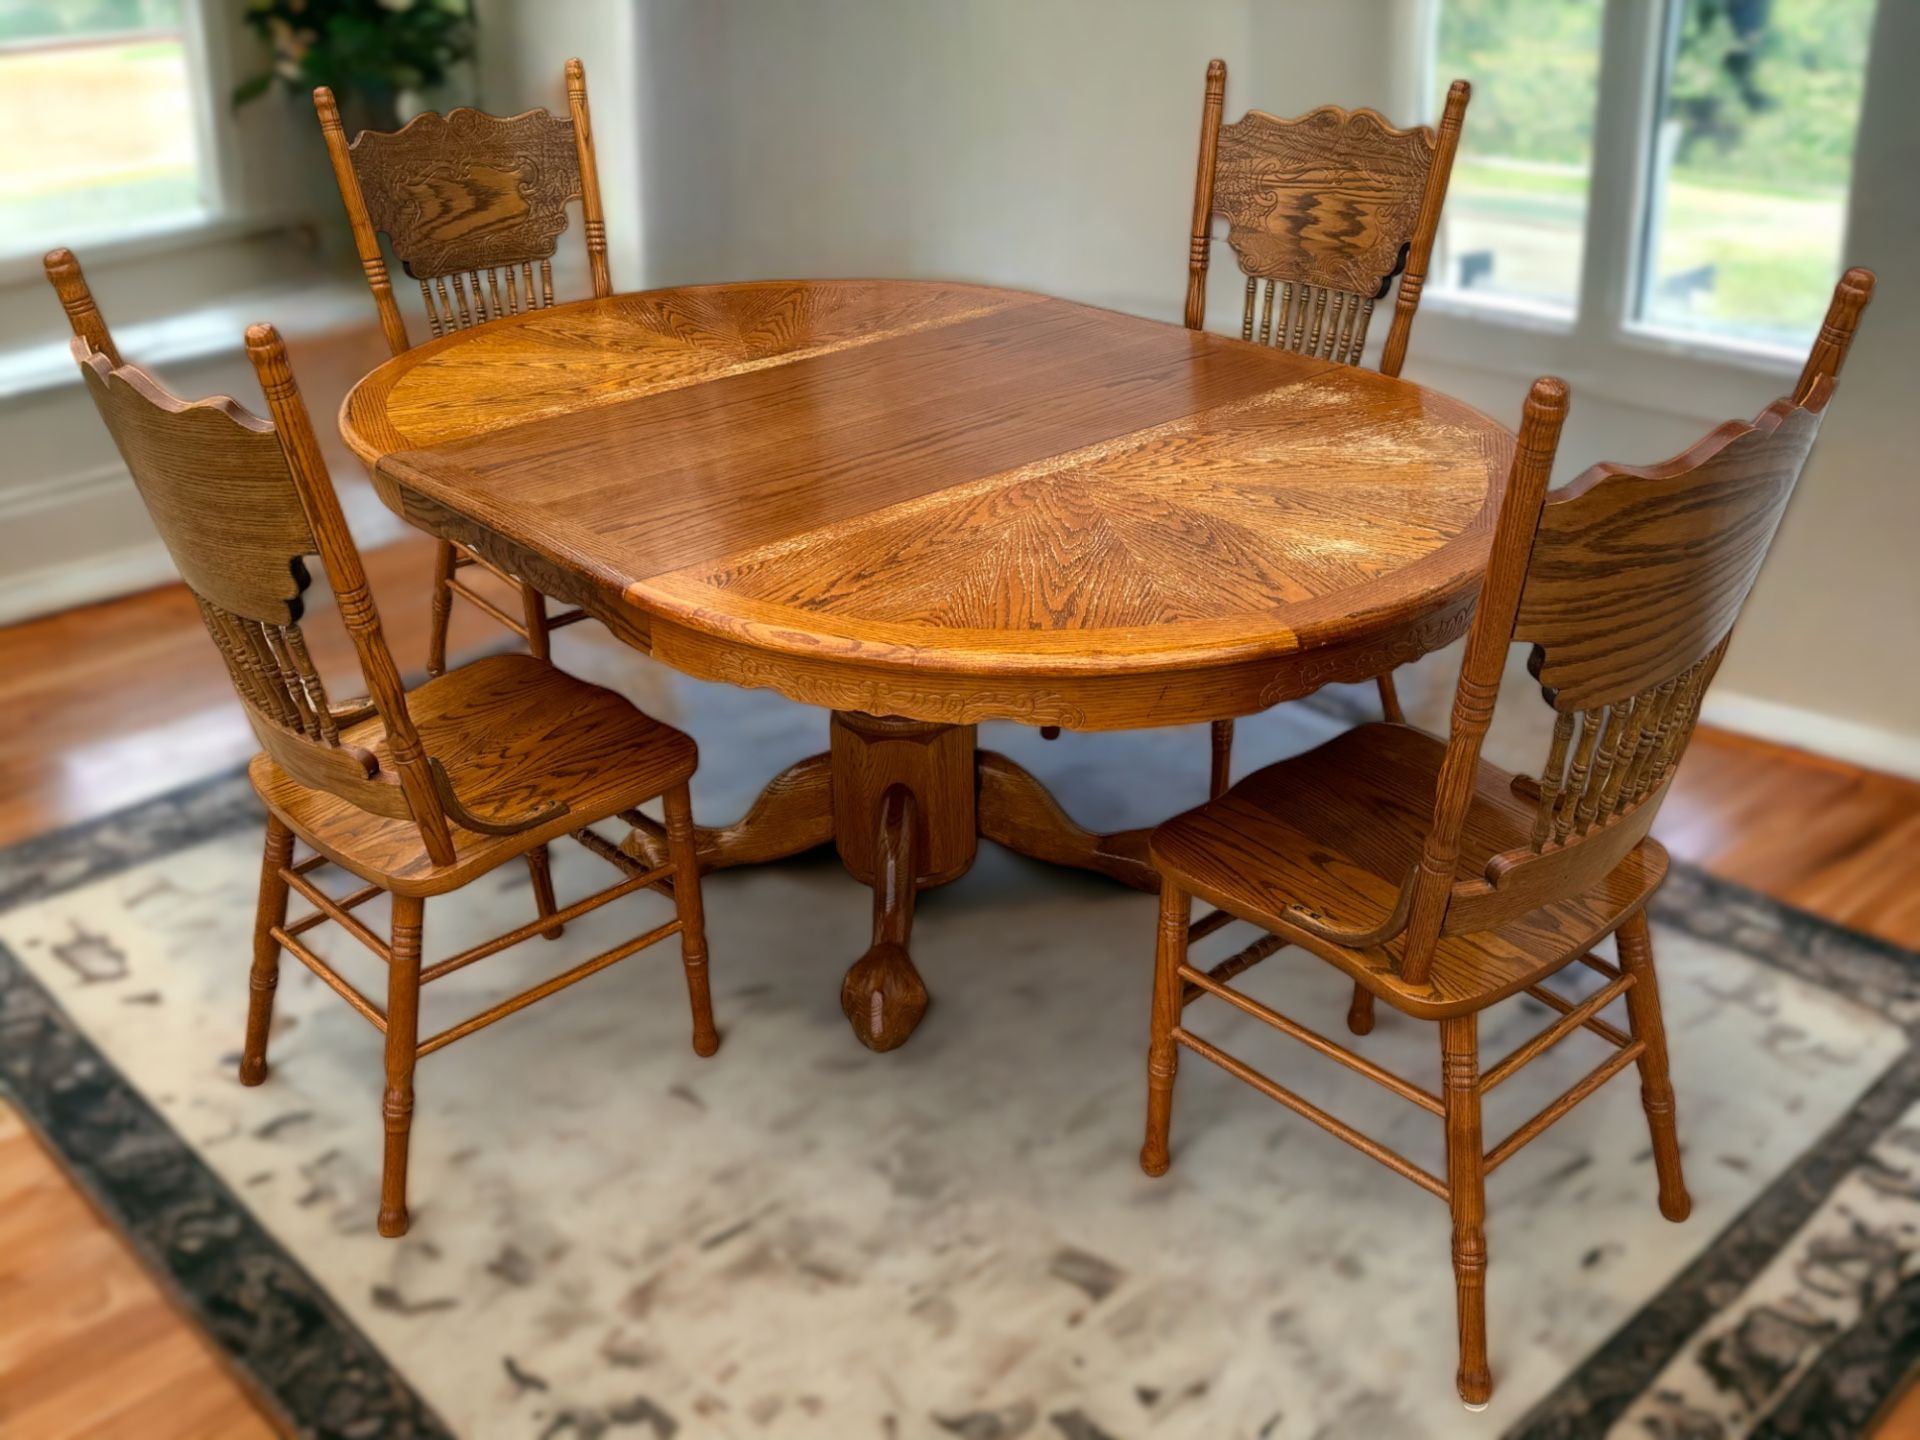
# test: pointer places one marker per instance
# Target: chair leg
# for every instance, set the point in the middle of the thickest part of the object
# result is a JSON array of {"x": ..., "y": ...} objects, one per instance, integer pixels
[
  {"x": 1467, "y": 1197},
  {"x": 444, "y": 556},
  {"x": 265, "y": 977},
  {"x": 534, "y": 606},
  {"x": 1656, "y": 1089},
  {"x": 1049, "y": 732},
  {"x": 1221, "y": 775},
  {"x": 1360, "y": 1010},
  {"x": 693, "y": 931},
  {"x": 1389, "y": 698},
  {"x": 540, "y": 868},
  {"x": 1163, "y": 1056},
  {"x": 403, "y": 1037}
]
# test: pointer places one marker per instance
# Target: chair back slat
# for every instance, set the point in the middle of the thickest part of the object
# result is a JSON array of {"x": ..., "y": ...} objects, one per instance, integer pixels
[
  {"x": 1330, "y": 207},
  {"x": 472, "y": 206},
  {"x": 1634, "y": 577}
]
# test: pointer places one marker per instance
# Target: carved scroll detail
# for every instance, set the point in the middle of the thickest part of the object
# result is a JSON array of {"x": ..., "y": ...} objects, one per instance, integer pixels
[
  {"x": 467, "y": 191},
  {"x": 1330, "y": 199}
]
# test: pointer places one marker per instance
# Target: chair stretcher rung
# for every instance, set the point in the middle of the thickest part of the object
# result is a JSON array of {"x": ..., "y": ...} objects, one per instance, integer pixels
[
  {"x": 1604, "y": 967},
  {"x": 542, "y": 923},
  {"x": 473, "y": 597},
  {"x": 1572, "y": 1020},
  {"x": 337, "y": 982},
  {"x": 1208, "y": 923},
  {"x": 547, "y": 987},
  {"x": 345, "y": 902},
  {"x": 567, "y": 617},
  {"x": 623, "y": 861},
  {"x": 1531, "y": 1130},
  {"x": 1592, "y": 1022},
  {"x": 1364, "y": 1144},
  {"x": 1314, "y": 1040},
  {"x": 1238, "y": 963},
  {"x": 335, "y": 911}
]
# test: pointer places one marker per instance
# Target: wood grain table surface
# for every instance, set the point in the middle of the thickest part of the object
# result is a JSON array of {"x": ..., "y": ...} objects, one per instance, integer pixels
[{"x": 922, "y": 505}]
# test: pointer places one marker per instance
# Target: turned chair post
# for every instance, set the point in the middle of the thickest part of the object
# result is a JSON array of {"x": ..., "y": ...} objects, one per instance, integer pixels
[
  {"x": 1829, "y": 353},
  {"x": 269, "y": 915},
  {"x": 1467, "y": 1200},
  {"x": 403, "y": 1048},
  {"x": 1420, "y": 248},
  {"x": 352, "y": 595},
  {"x": 1481, "y": 669}
]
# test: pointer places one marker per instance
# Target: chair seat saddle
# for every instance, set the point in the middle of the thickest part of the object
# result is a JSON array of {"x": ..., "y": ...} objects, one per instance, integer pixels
[
  {"x": 1334, "y": 831},
  {"x": 515, "y": 735}
]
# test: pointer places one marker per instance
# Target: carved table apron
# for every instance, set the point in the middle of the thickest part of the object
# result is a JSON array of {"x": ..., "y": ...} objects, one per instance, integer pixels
[{"x": 922, "y": 505}]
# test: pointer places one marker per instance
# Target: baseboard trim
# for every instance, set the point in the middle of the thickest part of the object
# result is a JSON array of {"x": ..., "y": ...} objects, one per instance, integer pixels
[
  {"x": 1869, "y": 746},
  {"x": 81, "y": 582}
]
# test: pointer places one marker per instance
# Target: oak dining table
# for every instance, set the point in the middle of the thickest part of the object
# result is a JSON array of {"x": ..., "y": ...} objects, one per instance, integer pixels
[{"x": 921, "y": 505}]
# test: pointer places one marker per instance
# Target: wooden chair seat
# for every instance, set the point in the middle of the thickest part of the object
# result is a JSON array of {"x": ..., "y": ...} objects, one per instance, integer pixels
[
  {"x": 515, "y": 735},
  {"x": 1337, "y": 829}
]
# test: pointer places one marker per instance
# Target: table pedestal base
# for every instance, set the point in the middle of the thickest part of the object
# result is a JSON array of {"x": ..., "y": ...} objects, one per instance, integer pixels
[{"x": 906, "y": 803}]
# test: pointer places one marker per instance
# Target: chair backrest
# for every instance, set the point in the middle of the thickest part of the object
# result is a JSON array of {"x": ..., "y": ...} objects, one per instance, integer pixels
[
  {"x": 1627, "y": 583},
  {"x": 472, "y": 204},
  {"x": 1329, "y": 207},
  {"x": 241, "y": 503}
]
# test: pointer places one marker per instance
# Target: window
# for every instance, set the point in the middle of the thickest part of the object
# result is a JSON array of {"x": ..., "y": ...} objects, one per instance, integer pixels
[
  {"x": 1752, "y": 152},
  {"x": 101, "y": 126},
  {"x": 1715, "y": 145},
  {"x": 1516, "y": 216}
]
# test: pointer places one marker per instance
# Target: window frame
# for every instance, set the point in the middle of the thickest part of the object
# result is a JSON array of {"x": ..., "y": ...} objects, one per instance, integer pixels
[
  {"x": 209, "y": 80},
  {"x": 1604, "y": 348}
]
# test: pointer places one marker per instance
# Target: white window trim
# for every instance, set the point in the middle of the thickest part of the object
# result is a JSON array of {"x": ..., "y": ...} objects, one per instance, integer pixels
[{"x": 1602, "y": 350}]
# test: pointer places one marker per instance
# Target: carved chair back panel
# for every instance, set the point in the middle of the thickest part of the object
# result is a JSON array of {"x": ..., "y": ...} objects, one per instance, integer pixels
[
  {"x": 1328, "y": 203},
  {"x": 466, "y": 191},
  {"x": 1634, "y": 581},
  {"x": 217, "y": 484},
  {"x": 473, "y": 206}
]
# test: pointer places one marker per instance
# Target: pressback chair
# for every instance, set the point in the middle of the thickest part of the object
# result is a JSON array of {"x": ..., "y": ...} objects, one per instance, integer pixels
[
  {"x": 1323, "y": 212},
  {"x": 1441, "y": 884},
  {"x": 416, "y": 794},
  {"x": 473, "y": 206}
]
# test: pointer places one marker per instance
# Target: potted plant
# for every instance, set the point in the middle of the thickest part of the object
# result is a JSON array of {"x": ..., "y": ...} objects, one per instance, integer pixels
[{"x": 380, "y": 57}]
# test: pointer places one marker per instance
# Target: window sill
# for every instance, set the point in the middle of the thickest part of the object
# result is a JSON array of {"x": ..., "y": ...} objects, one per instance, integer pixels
[
  {"x": 100, "y": 249},
  {"x": 200, "y": 333},
  {"x": 1686, "y": 377}
]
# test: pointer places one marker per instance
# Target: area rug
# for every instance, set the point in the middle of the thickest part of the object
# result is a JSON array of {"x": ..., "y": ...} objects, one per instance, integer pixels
[{"x": 612, "y": 1237}]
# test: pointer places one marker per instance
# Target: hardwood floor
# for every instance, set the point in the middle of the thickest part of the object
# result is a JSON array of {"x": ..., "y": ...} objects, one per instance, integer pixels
[{"x": 114, "y": 703}]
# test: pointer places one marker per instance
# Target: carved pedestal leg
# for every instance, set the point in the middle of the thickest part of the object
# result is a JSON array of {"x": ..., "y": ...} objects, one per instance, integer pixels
[
  {"x": 793, "y": 814},
  {"x": 903, "y": 820},
  {"x": 882, "y": 994},
  {"x": 1017, "y": 811}
]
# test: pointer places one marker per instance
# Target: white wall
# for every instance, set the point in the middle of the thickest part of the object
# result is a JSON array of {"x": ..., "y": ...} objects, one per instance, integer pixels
[
  {"x": 524, "y": 47},
  {"x": 1049, "y": 144}
]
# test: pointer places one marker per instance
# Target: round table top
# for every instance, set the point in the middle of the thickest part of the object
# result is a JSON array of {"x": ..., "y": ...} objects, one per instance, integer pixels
[{"x": 947, "y": 501}]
